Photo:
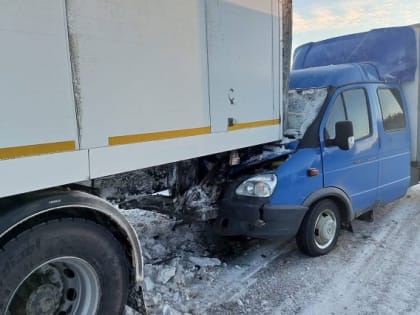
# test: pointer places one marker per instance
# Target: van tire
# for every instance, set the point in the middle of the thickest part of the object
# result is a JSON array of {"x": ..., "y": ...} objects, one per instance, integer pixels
[
  {"x": 69, "y": 266},
  {"x": 319, "y": 230}
]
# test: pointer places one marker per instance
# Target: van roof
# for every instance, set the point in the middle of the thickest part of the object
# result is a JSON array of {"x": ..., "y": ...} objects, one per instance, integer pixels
[
  {"x": 392, "y": 50},
  {"x": 333, "y": 75}
]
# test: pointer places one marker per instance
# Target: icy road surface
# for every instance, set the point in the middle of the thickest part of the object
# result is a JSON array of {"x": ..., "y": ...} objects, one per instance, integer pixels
[{"x": 375, "y": 270}]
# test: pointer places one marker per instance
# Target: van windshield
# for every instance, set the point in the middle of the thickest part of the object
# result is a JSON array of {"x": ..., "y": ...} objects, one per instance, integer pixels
[{"x": 302, "y": 109}]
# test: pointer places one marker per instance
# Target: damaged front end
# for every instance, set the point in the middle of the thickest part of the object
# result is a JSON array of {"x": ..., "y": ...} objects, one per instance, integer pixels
[
  {"x": 245, "y": 208},
  {"x": 256, "y": 217},
  {"x": 265, "y": 194}
]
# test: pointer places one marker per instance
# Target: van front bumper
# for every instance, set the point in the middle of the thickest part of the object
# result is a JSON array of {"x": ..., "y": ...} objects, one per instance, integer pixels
[{"x": 256, "y": 217}]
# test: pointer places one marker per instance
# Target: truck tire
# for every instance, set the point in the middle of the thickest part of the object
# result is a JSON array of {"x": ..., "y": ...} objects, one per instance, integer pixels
[
  {"x": 69, "y": 266},
  {"x": 319, "y": 230}
]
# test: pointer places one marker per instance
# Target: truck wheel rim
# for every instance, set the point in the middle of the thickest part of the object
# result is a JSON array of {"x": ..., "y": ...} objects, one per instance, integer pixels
[
  {"x": 61, "y": 286},
  {"x": 325, "y": 228}
]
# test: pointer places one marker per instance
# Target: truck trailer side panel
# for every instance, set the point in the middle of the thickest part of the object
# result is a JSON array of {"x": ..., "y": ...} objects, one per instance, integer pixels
[
  {"x": 153, "y": 70},
  {"x": 36, "y": 95},
  {"x": 141, "y": 68},
  {"x": 132, "y": 84},
  {"x": 39, "y": 136},
  {"x": 157, "y": 81}
]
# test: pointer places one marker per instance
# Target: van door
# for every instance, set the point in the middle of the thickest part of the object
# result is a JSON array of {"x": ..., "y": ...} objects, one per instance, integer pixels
[
  {"x": 354, "y": 171},
  {"x": 394, "y": 151}
]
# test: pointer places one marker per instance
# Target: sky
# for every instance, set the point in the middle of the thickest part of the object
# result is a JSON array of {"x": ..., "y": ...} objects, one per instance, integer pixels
[{"x": 320, "y": 19}]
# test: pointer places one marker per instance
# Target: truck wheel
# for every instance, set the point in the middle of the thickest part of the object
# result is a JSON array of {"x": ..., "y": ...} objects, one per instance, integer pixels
[
  {"x": 318, "y": 233},
  {"x": 70, "y": 266}
]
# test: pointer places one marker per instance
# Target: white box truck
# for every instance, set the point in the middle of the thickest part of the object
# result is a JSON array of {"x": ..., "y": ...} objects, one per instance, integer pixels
[{"x": 93, "y": 88}]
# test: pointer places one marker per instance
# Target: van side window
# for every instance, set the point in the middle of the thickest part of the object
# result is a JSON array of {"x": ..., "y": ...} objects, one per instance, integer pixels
[
  {"x": 337, "y": 113},
  {"x": 350, "y": 105},
  {"x": 357, "y": 111},
  {"x": 391, "y": 108}
]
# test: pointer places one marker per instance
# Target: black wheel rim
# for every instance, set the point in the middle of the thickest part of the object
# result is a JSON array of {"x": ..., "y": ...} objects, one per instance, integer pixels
[{"x": 60, "y": 286}]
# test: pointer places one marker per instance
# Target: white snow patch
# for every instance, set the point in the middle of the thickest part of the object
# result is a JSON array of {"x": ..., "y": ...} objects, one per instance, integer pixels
[{"x": 166, "y": 193}]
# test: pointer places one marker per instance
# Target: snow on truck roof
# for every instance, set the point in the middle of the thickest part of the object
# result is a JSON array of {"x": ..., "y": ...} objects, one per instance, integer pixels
[
  {"x": 333, "y": 75},
  {"x": 393, "y": 51}
]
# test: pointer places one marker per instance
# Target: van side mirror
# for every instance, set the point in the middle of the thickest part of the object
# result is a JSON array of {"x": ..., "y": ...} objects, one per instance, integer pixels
[{"x": 344, "y": 135}]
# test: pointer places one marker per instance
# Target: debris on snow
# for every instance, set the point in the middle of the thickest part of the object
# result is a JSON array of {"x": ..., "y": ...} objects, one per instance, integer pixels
[
  {"x": 183, "y": 262},
  {"x": 169, "y": 271}
]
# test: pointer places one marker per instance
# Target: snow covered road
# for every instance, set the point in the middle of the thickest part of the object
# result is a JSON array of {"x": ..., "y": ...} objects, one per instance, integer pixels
[{"x": 375, "y": 270}]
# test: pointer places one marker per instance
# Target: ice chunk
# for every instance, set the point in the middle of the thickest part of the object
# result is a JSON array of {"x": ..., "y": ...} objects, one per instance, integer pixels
[
  {"x": 167, "y": 310},
  {"x": 205, "y": 261},
  {"x": 166, "y": 274}
]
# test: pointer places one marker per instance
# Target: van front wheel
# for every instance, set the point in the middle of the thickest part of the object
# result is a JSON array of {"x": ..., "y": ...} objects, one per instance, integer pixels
[{"x": 319, "y": 230}]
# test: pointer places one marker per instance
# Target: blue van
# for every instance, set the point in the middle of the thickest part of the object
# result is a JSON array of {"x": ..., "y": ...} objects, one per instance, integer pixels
[{"x": 346, "y": 149}]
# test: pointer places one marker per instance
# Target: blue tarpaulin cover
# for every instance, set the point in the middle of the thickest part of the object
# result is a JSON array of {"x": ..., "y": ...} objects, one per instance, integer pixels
[{"x": 393, "y": 51}]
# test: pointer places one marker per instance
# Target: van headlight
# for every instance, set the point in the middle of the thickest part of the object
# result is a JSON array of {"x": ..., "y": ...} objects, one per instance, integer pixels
[{"x": 258, "y": 186}]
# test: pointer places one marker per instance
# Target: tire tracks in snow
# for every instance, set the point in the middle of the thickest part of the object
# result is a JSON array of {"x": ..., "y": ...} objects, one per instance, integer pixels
[
  {"x": 240, "y": 274},
  {"x": 383, "y": 275}
]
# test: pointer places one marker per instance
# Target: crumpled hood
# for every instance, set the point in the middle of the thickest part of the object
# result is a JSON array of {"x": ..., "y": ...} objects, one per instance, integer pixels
[{"x": 270, "y": 152}]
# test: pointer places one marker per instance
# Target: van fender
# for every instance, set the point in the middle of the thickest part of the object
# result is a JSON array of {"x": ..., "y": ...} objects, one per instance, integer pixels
[
  {"x": 21, "y": 212},
  {"x": 337, "y": 195}
]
